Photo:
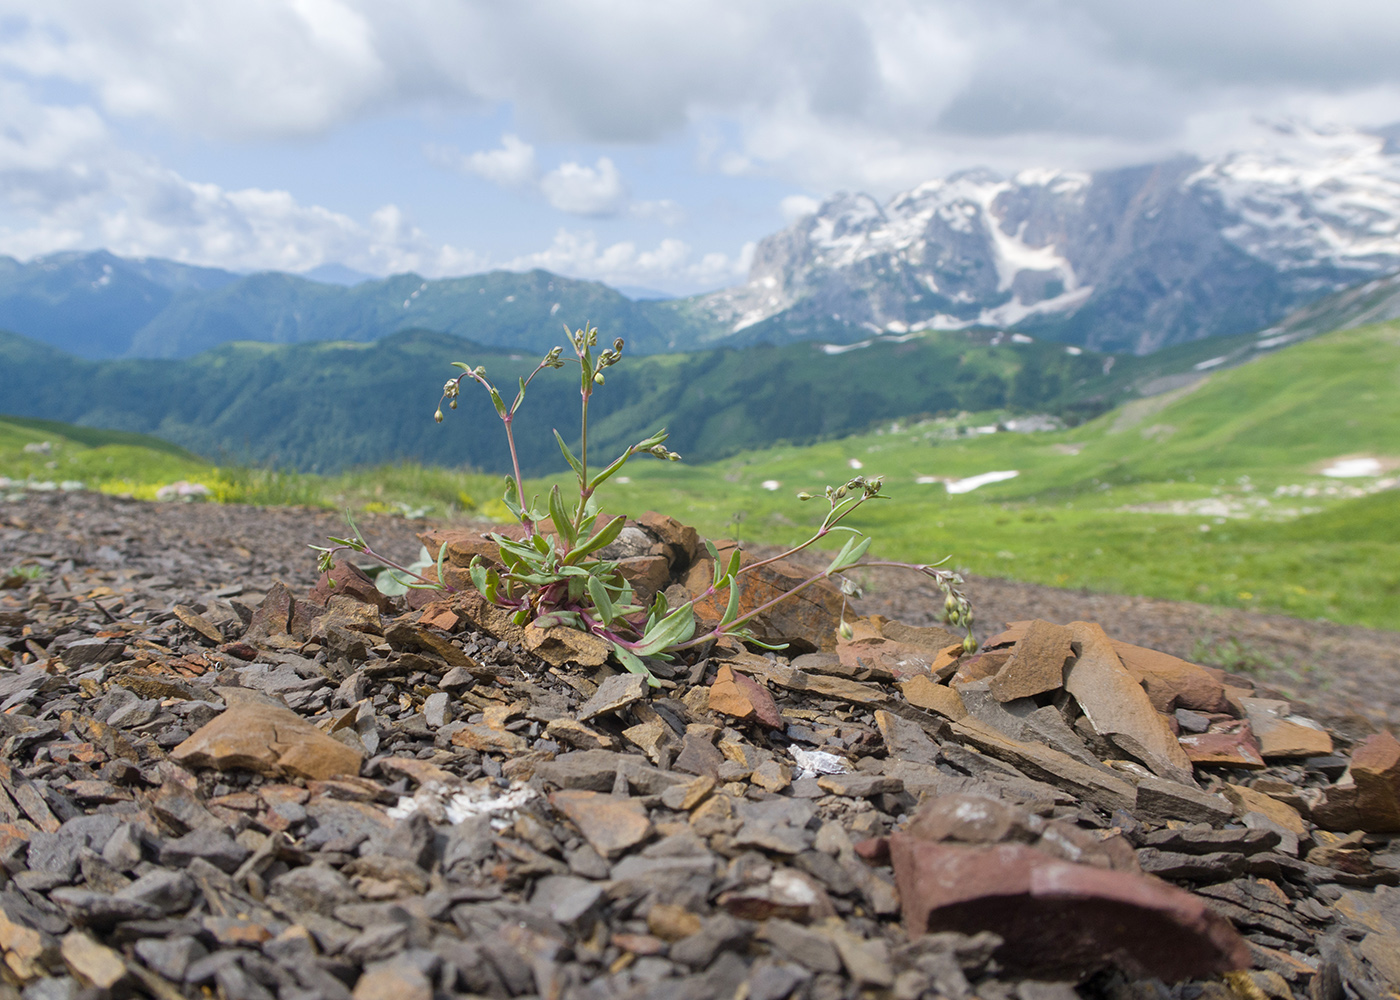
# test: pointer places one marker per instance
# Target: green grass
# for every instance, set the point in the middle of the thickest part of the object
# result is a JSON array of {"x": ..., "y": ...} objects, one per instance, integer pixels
[{"x": 1086, "y": 509}]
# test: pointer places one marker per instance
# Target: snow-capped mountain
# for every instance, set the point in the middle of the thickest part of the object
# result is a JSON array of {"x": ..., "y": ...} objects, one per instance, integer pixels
[{"x": 1127, "y": 259}]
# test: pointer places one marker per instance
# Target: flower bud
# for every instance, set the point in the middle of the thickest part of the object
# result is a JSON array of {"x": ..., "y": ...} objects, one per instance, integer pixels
[
  {"x": 845, "y": 631},
  {"x": 804, "y": 496},
  {"x": 597, "y": 378},
  {"x": 951, "y": 604},
  {"x": 452, "y": 405},
  {"x": 969, "y": 645},
  {"x": 438, "y": 415}
]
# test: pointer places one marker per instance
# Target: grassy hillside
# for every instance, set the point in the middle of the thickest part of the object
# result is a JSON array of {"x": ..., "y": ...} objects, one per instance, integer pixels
[
  {"x": 331, "y": 405},
  {"x": 1213, "y": 492}
]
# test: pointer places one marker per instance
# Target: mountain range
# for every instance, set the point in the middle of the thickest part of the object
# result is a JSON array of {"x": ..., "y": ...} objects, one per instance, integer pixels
[
  {"x": 1123, "y": 260},
  {"x": 1131, "y": 259}
]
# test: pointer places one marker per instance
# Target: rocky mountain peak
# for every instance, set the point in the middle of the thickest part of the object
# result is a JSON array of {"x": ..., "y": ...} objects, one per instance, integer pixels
[{"x": 1133, "y": 258}]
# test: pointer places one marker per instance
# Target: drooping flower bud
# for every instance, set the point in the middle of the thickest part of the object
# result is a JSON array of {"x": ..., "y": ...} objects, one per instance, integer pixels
[{"x": 438, "y": 415}]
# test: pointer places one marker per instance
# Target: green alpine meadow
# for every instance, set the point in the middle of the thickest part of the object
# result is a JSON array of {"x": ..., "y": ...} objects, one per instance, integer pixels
[{"x": 1268, "y": 485}]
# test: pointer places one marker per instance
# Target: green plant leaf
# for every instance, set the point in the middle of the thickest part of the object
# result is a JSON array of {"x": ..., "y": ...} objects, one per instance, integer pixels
[
  {"x": 601, "y": 540},
  {"x": 497, "y": 401},
  {"x": 731, "y": 610},
  {"x": 569, "y": 456},
  {"x": 601, "y": 601},
  {"x": 462, "y": 365},
  {"x": 633, "y": 663},
  {"x": 850, "y": 554},
  {"x": 675, "y": 628},
  {"x": 562, "y": 522},
  {"x": 512, "y": 499},
  {"x": 390, "y": 583},
  {"x": 519, "y": 397},
  {"x": 748, "y": 637}
]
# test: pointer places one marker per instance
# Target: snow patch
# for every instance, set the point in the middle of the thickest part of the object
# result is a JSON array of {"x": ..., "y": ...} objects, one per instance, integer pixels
[
  {"x": 973, "y": 482},
  {"x": 1352, "y": 468}
]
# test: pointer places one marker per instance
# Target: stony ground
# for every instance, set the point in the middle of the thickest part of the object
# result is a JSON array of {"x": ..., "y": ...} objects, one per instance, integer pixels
[{"x": 212, "y": 785}]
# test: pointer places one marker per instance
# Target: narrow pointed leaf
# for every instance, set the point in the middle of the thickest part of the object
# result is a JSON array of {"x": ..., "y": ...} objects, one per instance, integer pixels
[
  {"x": 562, "y": 522},
  {"x": 574, "y": 463},
  {"x": 676, "y": 627},
  {"x": 732, "y": 608},
  {"x": 634, "y": 664},
  {"x": 602, "y": 539},
  {"x": 601, "y": 601}
]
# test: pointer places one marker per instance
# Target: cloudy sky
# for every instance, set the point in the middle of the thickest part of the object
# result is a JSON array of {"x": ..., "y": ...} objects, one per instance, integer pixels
[{"x": 642, "y": 143}]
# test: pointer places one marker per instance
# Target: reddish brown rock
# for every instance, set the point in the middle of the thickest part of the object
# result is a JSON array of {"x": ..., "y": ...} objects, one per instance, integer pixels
[
  {"x": 1375, "y": 770},
  {"x": 1060, "y": 920},
  {"x": 742, "y": 697},
  {"x": 806, "y": 621},
  {"x": 1170, "y": 682},
  {"x": 348, "y": 579},
  {"x": 1293, "y": 737},
  {"x": 267, "y": 738},
  {"x": 1116, "y": 705},
  {"x": 682, "y": 540},
  {"x": 272, "y": 616},
  {"x": 648, "y": 575},
  {"x": 926, "y": 693},
  {"x": 1009, "y": 636},
  {"x": 899, "y": 660},
  {"x": 1248, "y": 800},
  {"x": 1036, "y": 665},
  {"x": 484, "y": 739},
  {"x": 1231, "y": 744},
  {"x": 560, "y": 645},
  {"x": 462, "y": 547},
  {"x": 980, "y": 666},
  {"x": 438, "y": 614},
  {"x": 610, "y": 824}
]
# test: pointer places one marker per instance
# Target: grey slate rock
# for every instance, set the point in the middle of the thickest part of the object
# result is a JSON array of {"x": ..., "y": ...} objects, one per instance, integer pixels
[
  {"x": 720, "y": 932},
  {"x": 1160, "y": 800},
  {"x": 214, "y": 846},
  {"x": 58, "y": 852},
  {"x": 171, "y": 957},
  {"x": 168, "y": 891}
]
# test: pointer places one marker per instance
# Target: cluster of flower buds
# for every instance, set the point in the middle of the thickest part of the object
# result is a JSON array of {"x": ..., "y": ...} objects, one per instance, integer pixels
[
  {"x": 659, "y": 451},
  {"x": 609, "y": 357},
  {"x": 551, "y": 360}
]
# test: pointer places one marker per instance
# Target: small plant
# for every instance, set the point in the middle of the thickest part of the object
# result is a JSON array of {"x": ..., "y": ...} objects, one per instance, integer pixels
[
  {"x": 17, "y": 576},
  {"x": 558, "y": 579}
]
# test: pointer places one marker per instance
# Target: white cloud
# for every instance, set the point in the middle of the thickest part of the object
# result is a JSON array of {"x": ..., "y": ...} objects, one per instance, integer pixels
[
  {"x": 818, "y": 95},
  {"x": 571, "y": 187},
  {"x": 825, "y": 93},
  {"x": 65, "y": 184},
  {"x": 671, "y": 264},
  {"x": 597, "y": 190},
  {"x": 513, "y": 165},
  {"x": 795, "y": 206}
]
